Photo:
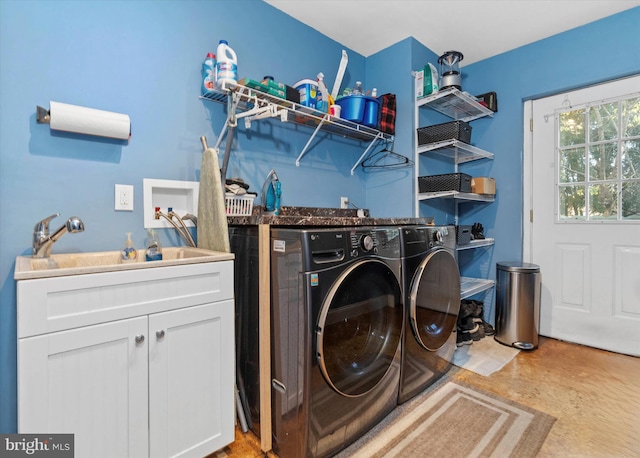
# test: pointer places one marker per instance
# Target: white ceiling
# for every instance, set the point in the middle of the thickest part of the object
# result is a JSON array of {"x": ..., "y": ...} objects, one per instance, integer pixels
[{"x": 477, "y": 28}]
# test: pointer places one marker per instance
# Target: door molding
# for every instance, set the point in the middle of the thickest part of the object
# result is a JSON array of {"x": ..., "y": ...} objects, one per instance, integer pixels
[{"x": 527, "y": 179}]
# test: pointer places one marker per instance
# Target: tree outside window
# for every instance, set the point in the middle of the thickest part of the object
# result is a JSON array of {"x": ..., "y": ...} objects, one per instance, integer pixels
[{"x": 599, "y": 161}]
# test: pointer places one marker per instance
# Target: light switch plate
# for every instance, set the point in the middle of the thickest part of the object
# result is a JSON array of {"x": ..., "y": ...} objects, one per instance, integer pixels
[{"x": 124, "y": 197}]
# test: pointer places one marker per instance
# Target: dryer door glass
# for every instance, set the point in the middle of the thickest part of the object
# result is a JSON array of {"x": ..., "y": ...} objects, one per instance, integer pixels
[
  {"x": 359, "y": 328},
  {"x": 435, "y": 299}
]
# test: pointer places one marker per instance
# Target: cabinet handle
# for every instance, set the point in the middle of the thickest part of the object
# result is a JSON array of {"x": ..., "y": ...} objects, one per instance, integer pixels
[
  {"x": 160, "y": 334},
  {"x": 139, "y": 339}
]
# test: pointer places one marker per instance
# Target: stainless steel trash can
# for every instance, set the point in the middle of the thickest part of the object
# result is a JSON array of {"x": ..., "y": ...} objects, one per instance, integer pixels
[{"x": 517, "y": 304}]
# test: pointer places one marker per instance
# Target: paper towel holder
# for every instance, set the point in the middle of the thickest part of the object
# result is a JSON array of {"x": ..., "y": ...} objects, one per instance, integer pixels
[
  {"x": 102, "y": 123},
  {"x": 42, "y": 115}
]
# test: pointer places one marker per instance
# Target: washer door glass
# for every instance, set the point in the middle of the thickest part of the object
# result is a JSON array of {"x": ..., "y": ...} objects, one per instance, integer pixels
[
  {"x": 359, "y": 328},
  {"x": 435, "y": 299}
]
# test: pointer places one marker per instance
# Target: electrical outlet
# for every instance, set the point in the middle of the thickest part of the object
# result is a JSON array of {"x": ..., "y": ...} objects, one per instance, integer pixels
[
  {"x": 344, "y": 202},
  {"x": 124, "y": 197}
]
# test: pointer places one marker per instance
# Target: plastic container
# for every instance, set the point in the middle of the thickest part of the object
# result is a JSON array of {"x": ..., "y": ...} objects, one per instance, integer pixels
[
  {"x": 357, "y": 89},
  {"x": 241, "y": 205},
  {"x": 351, "y": 107},
  {"x": 371, "y": 108},
  {"x": 226, "y": 66},
  {"x": 209, "y": 74},
  {"x": 308, "y": 90},
  {"x": 154, "y": 249}
]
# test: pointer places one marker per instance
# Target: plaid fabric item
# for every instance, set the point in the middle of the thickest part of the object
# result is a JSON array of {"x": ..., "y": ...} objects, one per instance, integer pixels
[{"x": 387, "y": 114}]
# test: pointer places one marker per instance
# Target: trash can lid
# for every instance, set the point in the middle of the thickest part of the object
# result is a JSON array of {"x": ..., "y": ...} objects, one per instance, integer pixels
[{"x": 517, "y": 266}]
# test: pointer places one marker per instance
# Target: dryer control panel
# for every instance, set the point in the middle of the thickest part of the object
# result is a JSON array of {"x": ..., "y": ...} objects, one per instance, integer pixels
[{"x": 377, "y": 241}]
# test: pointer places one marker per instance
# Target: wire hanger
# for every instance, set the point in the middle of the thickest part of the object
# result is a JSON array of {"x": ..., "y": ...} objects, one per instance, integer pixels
[{"x": 385, "y": 158}]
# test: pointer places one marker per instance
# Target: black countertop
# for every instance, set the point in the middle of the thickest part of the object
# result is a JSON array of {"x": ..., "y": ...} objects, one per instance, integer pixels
[{"x": 311, "y": 216}]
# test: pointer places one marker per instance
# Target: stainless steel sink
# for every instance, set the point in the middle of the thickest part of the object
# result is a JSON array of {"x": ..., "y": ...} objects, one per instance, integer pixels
[{"x": 63, "y": 264}]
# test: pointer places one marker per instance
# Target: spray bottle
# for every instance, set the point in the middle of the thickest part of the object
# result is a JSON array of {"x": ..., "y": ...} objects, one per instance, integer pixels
[
  {"x": 154, "y": 249},
  {"x": 322, "y": 100}
]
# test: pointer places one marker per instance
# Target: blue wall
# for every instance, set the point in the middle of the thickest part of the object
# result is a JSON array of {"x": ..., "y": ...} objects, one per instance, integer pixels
[
  {"x": 143, "y": 58},
  {"x": 600, "y": 51}
]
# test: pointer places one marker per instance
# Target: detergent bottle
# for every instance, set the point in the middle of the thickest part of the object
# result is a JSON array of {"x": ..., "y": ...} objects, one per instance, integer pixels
[
  {"x": 209, "y": 74},
  {"x": 226, "y": 66},
  {"x": 322, "y": 100}
]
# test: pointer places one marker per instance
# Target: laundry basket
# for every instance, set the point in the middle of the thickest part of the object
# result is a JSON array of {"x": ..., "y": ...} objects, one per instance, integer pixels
[{"x": 239, "y": 205}]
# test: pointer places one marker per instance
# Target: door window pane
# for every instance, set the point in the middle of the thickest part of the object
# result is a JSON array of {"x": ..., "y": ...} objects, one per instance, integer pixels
[
  {"x": 603, "y": 201},
  {"x": 631, "y": 200},
  {"x": 603, "y": 122},
  {"x": 572, "y": 202},
  {"x": 572, "y": 128},
  {"x": 631, "y": 117},
  {"x": 603, "y": 162},
  {"x": 572, "y": 165},
  {"x": 630, "y": 159}
]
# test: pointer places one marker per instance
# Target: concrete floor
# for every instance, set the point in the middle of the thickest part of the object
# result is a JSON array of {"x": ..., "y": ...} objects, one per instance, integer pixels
[{"x": 594, "y": 394}]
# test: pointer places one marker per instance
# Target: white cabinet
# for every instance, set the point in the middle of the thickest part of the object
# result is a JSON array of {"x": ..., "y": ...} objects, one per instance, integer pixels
[
  {"x": 190, "y": 363},
  {"x": 135, "y": 364},
  {"x": 91, "y": 382},
  {"x": 460, "y": 106}
]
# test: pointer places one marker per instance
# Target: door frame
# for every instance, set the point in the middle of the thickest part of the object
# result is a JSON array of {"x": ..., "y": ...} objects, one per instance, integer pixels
[{"x": 527, "y": 181}]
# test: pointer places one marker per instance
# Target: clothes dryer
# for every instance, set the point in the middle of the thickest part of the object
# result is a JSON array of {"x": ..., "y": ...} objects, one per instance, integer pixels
[
  {"x": 337, "y": 318},
  {"x": 431, "y": 288}
]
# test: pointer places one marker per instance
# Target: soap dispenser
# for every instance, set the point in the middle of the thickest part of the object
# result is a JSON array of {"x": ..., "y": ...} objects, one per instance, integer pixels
[
  {"x": 154, "y": 249},
  {"x": 129, "y": 253}
]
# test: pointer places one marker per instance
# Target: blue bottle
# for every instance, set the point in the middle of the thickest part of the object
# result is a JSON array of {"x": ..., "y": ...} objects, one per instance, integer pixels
[
  {"x": 208, "y": 74},
  {"x": 154, "y": 249}
]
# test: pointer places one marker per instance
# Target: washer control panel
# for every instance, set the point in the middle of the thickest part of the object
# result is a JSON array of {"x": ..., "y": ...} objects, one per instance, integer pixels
[
  {"x": 335, "y": 245},
  {"x": 363, "y": 242}
]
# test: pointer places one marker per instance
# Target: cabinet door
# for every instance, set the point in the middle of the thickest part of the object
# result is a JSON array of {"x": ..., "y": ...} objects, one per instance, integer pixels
[
  {"x": 191, "y": 380},
  {"x": 90, "y": 381}
]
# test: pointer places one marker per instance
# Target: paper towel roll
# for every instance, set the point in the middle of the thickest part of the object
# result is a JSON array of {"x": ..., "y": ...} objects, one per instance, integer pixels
[{"x": 82, "y": 120}]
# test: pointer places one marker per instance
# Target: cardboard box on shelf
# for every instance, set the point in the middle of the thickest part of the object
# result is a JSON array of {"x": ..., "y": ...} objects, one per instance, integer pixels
[{"x": 483, "y": 185}]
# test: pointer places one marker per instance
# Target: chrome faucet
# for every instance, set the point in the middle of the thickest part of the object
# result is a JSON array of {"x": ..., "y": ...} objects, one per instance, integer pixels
[{"x": 42, "y": 241}]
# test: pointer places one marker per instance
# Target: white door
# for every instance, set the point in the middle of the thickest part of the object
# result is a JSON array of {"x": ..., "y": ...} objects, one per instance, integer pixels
[
  {"x": 91, "y": 382},
  {"x": 582, "y": 183},
  {"x": 191, "y": 380}
]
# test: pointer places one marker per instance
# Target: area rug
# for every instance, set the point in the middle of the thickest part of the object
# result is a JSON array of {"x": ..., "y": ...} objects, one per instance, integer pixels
[
  {"x": 456, "y": 420},
  {"x": 484, "y": 356}
]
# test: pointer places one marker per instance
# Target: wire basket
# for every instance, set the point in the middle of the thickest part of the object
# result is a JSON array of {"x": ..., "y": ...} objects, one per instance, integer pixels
[{"x": 239, "y": 205}]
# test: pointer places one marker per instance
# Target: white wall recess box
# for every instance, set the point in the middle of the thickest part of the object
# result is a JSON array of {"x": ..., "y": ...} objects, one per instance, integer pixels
[{"x": 182, "y": 196}]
